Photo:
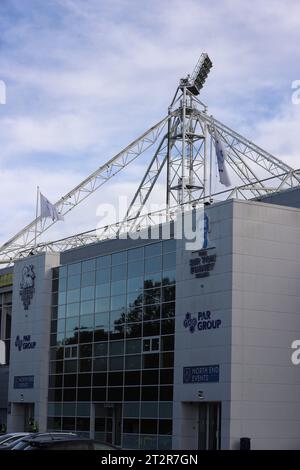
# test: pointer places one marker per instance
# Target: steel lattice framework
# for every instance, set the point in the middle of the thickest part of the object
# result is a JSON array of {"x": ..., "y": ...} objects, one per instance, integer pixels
[{"x": 183, "y": 149}]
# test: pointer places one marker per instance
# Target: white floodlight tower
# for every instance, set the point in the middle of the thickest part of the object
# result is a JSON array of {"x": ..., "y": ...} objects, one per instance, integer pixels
[{"x": 187, "y": 159}]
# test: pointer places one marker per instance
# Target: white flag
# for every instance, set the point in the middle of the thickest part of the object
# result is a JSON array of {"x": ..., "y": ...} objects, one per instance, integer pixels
[
  {"x": 2, "y": 352},
  {"x": 49, "y": 210},
  {"x": 221, "y": 158}
]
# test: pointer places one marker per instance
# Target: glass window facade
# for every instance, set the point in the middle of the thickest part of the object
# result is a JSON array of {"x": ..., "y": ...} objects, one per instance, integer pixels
[{"x": 112, "y": 347}]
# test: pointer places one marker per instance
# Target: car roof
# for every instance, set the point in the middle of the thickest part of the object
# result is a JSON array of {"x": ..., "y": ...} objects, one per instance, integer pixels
[
  {"x": 52, "y": 435},
  {"x": 48, "y": 441},
  {"x": 54, "y": 438}
]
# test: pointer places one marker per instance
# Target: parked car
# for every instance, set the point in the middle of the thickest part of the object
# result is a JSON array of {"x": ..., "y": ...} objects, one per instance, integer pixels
[
  {"x": 11, "y": 438},
  {"x": 61, "y": 441},
  {"x": 20, "y": 443}
]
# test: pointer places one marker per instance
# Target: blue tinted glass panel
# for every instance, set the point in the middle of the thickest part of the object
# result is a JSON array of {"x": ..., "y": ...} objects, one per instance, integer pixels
[
  {"x": 117, "y": 316},
  {"x": 116, "y": 348},
  {"x": 135, "y": 268},
  {"x": 119, "y": 258},
  {"x": 89, "y": 265},
  {"x": 133, "y": 346},
  {"x": 73, "y": 295},
  {"x": 152, "y": 280},
  {"x": 63, "y": 271},
  {"x": 169, "y": 277},
  {"x": 101, "y": 320},
  {"x": 62, "y": 298},
  {"x": 88, "y": 278},
  {"x": 87, "y": 307},
  {"x": 136, "y": 254},
  {"x": 169, "y": 246},
  {"x": 72, "y": 309},
  {"x": 61, "y": 311},
  {"x": 118, "y": 287},
  {"x": 116, "y": 363},
  {"x": 169, "y": 261},
  {"x": 118, "y": 302},
  {"x": 61, "y": 326},
  {"x": 135, "y": 284},
  {"x": 152, "y": 265},
  {"x": 134, "y": 299},
  {"x": 102, "y": 276},
  {"x": 62, "y": 284},
  {"x": 87, "y": 293},
  {"x": 119, "y": 272},
  {"x": 102, "y": 305},
  {"x": 72, "y": 323},
  {"x": 103, "y": 262},
  {"x": 74, "y": 269},
  {"x": 153, "y": 250},
  {"x": 87, "y": 322},
  {"x": 74, "y": 282},
  {"x": 103, "y": 290}
]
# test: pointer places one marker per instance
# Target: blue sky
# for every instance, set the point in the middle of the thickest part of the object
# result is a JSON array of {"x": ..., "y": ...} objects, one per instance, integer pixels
[{"x": 85, "y": 77}]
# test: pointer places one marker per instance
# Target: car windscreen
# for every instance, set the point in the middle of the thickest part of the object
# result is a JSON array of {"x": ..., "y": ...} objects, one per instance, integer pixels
[
  {"x": 20, "y": 445},
  {"x": 11, "y": 440},
  {"x": 5, "y": 437}
]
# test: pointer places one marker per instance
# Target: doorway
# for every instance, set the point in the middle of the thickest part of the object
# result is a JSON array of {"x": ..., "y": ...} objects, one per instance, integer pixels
[
  {"x": 28, "y": 416},
  {"x": 209, "y": 426},
  {"x": 108, "y": 420}
]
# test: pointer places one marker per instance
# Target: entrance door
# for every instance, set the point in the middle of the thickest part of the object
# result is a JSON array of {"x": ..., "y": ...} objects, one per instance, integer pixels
[
  {"x": 28, "y": 416},
  {"x": 108, "y": 418},
  {"x": 209, "y": 426}
]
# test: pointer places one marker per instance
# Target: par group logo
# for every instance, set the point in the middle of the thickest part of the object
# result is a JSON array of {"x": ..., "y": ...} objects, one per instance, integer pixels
[{"x": 19, "y": 343}]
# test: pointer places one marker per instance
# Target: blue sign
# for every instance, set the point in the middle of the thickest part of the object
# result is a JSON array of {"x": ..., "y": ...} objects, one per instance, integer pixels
[
  {"x": 202, "y": 321},
  {"x": 23, "y": 381},
  {"x": 203, "y": 262},
  {"x": 24, "y": 342},
  {"x": 201, "y": 374}
]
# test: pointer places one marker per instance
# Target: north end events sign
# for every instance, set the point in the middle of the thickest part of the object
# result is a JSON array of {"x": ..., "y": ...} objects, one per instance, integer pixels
[
  {"x": 24, "y": 381},
  {"x": 201, "y": 374},
  {"x": 202, "y": 262}
]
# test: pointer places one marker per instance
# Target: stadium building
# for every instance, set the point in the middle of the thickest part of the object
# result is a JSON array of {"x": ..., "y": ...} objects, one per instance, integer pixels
[
  {"x": 148, "y": 342},
  {"x": 148, "y": 345}
]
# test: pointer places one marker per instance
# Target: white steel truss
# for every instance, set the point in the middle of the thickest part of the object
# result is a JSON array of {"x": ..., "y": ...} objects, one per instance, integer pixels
[
  {"x": 166, "y": 215},
  {"x": 26, "y": 237},
  {"x": 185, "y": 141}
]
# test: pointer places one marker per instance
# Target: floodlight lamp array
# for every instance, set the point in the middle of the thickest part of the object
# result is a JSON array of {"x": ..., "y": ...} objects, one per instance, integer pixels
[{"x": 197, "y": 80}]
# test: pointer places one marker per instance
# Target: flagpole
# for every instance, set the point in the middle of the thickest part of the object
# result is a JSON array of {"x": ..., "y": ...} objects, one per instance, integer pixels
[
  {"x": 36, "y": 215},
  {"x": 210, "y": 166}
]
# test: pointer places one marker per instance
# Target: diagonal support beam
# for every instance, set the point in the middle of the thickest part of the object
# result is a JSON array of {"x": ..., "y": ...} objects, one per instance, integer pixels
[{"x": 25, "y": 238}]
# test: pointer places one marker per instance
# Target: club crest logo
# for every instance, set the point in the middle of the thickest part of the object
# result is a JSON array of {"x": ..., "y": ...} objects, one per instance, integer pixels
[
  {"x": 27, "y": 285},
  {"x": 190, "y": 322},
  {"x": 19, "y": 343}
]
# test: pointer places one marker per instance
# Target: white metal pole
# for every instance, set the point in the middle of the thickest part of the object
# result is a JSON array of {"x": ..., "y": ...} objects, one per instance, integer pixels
[
  {"x": 205, "y": 160},
  {"x": 36, "y": 215},
  {"x": 210, "y": 166},
  {"x": 183, "y": 144}
]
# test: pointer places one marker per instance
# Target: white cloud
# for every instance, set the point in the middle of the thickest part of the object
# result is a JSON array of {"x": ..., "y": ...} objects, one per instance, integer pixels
[{"x": 84, "y": 78}]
